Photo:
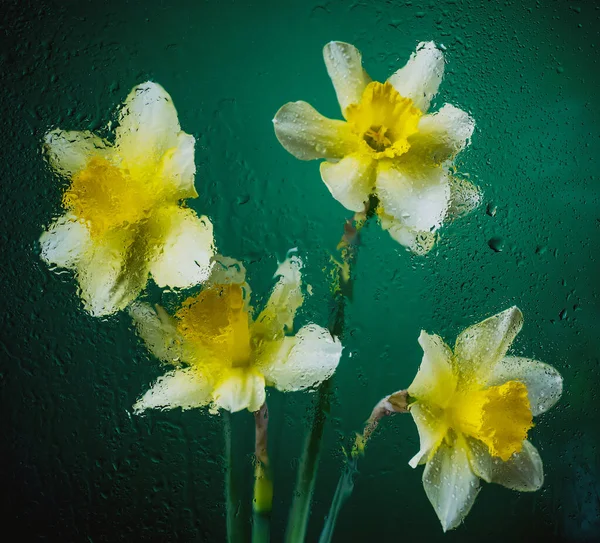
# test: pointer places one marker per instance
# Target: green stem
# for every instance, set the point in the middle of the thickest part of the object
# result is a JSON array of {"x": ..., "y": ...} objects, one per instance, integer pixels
[
  {"x": 235, "y": 520},
  {"x": 307, "y": 472},
  {"x": 262, "y": 503},
  {"x": 343, "y": 491},
  {"x": 397, "y": 402}
]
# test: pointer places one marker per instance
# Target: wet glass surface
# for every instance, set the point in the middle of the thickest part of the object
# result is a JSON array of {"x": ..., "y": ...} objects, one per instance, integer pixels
[{"x": 79, "y": 465}]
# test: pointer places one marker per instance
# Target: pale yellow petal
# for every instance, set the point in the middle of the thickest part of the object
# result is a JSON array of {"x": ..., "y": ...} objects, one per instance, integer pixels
[
  {"x": 68, "y": 152},
  {"x": 158, "y": 331},
  {"x": 450, "y": 484},
  {"x": 112, "y": 273},
  {"x": 524, "y": 471},
  {"x": 420, "y": 78},
  {"x": 179, "y": 167},
  {"x": 241, "y": 388},
  {"x": 183, "y": 259},
  {"x": 351, "y": 180},
  {"x": 148, "y": 126},
  {"x": 480, "y": 347},
  {"x": 431, "y": 427},
  {"x": 418, "y": 242},
  {"x": 435, "y": 381},
  {"x": 416, "y": 196},
  {"x": 307, "y": 135},
  {"x": 544, "y": 384},
  {"x": 286, "y": 298},
  {"x": 344, "y": 66},
  {"x": 185, "y": 388},
  {"x": 442, "y": 135},
  {"x": 64, "y": 242},
  {"x": 302, "y": 361}
]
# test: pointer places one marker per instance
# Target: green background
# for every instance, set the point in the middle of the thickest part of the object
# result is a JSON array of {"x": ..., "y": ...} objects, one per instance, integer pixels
[{"x": 77, "y": 465}]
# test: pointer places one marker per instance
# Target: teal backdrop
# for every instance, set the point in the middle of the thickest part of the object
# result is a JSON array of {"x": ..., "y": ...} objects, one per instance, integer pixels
[{"x": 77, "y": 465}]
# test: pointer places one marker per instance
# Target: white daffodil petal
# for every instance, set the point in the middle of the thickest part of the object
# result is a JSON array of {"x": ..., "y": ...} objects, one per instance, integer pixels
[
  {"x": 432, "y": 430},
  {"x": 242, "y": 388},
  {"x": 148, "y": 126},
  {"x": 183, "y": 388},
  {"x": 480, "y": 347},
  {"x": 184, "y": 259},
  {"x": 307, "y": 135},
  {"x": 344, "y": 66},
  {"x": 350, "y": 181},
  {"x": 179, "y": 167},
  {"x": 480, "y": 458},
  {"x": 417, "y": 197},
  {"x": 464, "y": 197},
  {"x": 302, "y": 361},
  {"x": 68, "y": 152},
  {"x": 111, "y": 274},
  {"x": 524, "y": 471},
  {"x": 435, "y": 381},
  {"x": 418, "y": 242},
  {"x": 544, "y": 384},
  {"x": 64, "y": 243},
  {"x": 420, "y": 78},
  {"x": 286, "y": 298},
  {"x": 442, "y": 135},
  {"x": 450, "y": 484},
  {"x": 158, "y": 330}
]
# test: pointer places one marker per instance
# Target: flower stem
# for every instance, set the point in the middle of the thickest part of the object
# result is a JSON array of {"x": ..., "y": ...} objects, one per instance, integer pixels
[
  {"x": 394, "y": 403},
  {"x": 235, "y": 520},
  {"x": 305, "y": 483},
  {"x": 263, "y": 484}
]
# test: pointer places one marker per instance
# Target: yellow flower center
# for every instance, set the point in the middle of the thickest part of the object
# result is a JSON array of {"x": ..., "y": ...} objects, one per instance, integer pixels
[
  {"x": 106, "y": 197},
  {"x": 384, "y": 120},
  {"x": 216, "y": 321},
  {"x": 499, "y": 416}
]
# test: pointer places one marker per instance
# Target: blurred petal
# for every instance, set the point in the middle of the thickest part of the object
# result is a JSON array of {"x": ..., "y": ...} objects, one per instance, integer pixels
[
  {"x": 179, "y": 167},
  {"x": 420, "y": 78},
  {"x": 450, "y": 484},
  {"x": 432, "y": 429},
  {"x": 286, "y": 298},
  {"x": 112, "y": 273},
  {"x": 242, "y": 388},
  {"x": 184, "y": 259},
  {"x": 148, "y": 126},
  {"x": 524, "y": 471},
  {"x": 435, "y": 381},
  {"x": 68, "y": 152},
  {"x": 442, "y": 135},
  {"x": 351, "y": 180},
  {"x": 544, "y": 384},
  {"x": 179, "y": 388},
  {"x": 418, "y": 242},
  {"x": 302, "y": 361},
  {"x": 344, "y": 66},
  {"x": 158, "y": 330},
  {"x": 464, "y": 197},
  {"x": 480, "y": 347},
  {"x": 415, "y": 196},
  {"x": 307, "y": 135},
  {"x": 65, "y": 241}
]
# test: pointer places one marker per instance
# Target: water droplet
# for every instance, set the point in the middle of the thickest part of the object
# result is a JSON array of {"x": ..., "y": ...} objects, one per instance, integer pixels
[{"x": 496, "y": 244}]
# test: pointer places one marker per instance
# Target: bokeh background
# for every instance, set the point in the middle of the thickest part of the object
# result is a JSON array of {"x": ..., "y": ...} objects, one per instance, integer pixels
[{"x": 77, "y": 465}]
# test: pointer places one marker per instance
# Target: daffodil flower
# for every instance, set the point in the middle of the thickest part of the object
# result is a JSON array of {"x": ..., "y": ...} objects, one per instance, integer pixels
[
  {"x": 123, "y": 219},
  {"x": 224, "y": 357},
  {"x": 473, "y": 408},
  {"x": 389, "y": 146}
]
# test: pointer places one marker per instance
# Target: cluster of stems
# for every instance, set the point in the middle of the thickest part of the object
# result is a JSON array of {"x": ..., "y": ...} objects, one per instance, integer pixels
[{"x": 307, "y": 472}]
